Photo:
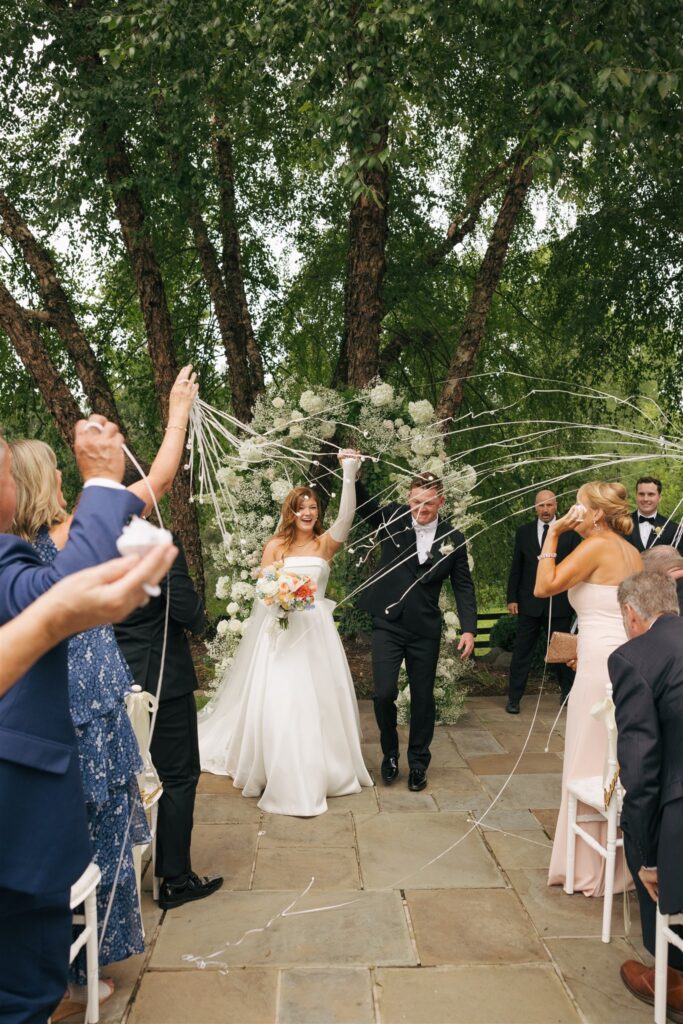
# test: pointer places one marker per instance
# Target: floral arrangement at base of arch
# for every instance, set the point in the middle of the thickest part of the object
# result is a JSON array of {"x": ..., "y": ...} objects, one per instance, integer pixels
[{"x": 403, "y": 437}]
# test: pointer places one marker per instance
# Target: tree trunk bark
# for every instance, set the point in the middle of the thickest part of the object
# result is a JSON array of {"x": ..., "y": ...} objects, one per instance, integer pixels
[
  {"x": 159, "y": 330},
  {"x": 30, "y": 349},
  {"x": 58, "y": 312},
  {"x": 486, "y": 282},
  {"x": 365, "y": 267},
  {"x": 232, "y": 260}
]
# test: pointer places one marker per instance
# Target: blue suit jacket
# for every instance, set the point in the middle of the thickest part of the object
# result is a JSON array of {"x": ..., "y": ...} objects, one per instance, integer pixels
[{"x": 44, "y": 844}]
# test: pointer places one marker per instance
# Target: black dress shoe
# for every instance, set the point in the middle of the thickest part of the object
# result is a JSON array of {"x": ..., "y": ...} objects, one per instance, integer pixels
[
  {"x": 389, "y": 769},
  {"x": 417, "y": 779},
  {"x": 195, "y": 888},
  {"x": 512, "y": 707}
]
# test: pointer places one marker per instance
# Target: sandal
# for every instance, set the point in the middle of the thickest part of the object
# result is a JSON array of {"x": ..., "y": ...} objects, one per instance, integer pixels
[{"x": 76, "y": 1000}]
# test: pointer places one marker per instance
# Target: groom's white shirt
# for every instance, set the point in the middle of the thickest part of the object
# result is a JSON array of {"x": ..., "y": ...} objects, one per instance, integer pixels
[{"x": 424, "y": 538}]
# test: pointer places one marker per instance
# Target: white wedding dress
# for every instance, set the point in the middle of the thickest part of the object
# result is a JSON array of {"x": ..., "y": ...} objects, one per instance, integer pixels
[{"x": 284, "y": 723}]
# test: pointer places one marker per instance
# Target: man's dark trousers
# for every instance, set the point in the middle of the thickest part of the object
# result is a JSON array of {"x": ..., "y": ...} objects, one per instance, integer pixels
[
  {"x": 648, "y": 909},
  {"x": 35, "y": 936},
  {"x": 529, "y": 628},
  {"x": 175, "y": 755},
  {"x": 391, "y": 645}
]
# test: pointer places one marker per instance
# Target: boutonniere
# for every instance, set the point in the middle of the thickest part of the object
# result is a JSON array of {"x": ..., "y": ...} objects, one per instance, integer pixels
[
  {"x": 657, "y": 530},
  {"x": 447, "y": 548}
]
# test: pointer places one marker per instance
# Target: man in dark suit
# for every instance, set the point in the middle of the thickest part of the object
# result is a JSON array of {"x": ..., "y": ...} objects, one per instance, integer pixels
[
  {"x": 649, "y": 527},
  {"x": 647, "y": 681},
  {"x": 45, "y": 845},
  {"x": 532, "y": 612},
  {"x": 175, "y": 746},
  {"x": 419, "y": 551}
]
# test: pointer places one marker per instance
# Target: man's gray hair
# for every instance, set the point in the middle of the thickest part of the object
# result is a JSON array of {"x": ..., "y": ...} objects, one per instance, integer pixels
[{"x": 649, "y": 594}]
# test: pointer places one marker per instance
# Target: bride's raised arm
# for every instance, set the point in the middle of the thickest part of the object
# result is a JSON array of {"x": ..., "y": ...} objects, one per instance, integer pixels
[{"x": 335, "y": 537}]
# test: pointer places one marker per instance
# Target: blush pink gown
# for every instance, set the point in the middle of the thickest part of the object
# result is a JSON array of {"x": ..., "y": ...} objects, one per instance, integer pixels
[{"x": 601, "y": 631}]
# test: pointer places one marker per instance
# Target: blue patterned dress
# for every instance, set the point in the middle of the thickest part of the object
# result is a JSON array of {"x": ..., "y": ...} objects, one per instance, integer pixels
[{"x": 109, "y": 760}]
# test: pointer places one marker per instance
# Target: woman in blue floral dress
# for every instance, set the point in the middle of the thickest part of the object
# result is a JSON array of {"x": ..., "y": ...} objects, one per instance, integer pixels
[{"x": 99, "y": 678}]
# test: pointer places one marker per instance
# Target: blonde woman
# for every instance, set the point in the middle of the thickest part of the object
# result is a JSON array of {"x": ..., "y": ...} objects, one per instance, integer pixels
[
  {"x": 284, "y": 724},
  {"x": 99, "y": 678},
  {"x": 591, "y": 574}
]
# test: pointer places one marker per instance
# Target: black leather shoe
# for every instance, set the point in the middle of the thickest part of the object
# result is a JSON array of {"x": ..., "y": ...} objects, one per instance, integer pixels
[
  {"x": 195, "y": 888},
  {"x": 512, "y": 707},
  {"x": 417, "y": 779},
  {"x": 389, "y": 769}
]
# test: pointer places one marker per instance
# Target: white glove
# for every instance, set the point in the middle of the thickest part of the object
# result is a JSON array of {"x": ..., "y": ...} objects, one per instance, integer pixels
[{"x": 341, "y": 527}]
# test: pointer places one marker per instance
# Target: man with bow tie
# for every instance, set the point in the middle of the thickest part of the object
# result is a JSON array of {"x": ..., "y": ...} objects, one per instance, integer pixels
[
  {"x": 419, "y": 552},
  {"x": 649, "y": 526}
]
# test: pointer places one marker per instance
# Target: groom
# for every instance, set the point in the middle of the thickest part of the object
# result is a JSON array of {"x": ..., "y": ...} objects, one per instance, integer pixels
[{"x": 419, "y": 552}]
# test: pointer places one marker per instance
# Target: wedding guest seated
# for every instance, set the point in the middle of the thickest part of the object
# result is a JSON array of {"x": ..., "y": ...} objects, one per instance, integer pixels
[
  {"x": 45, "y": 846},
  {"x": 99, "y": 679},
  {"x": 647, "y": 680},
  {"x": 650, "y": 528},
  {"x": 667, "y": 559}
]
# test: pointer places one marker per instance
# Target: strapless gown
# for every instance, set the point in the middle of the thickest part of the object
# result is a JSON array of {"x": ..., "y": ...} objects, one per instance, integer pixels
[
  {"x": 284, "y": 723},
  {"x": 601, "y": 631}
]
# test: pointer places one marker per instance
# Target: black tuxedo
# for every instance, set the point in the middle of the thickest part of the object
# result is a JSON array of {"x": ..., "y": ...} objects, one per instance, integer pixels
[
  {"x": 403, "y": 598},
  {"x": 647, "y": 681},
  {"x": 175, "y": 746},
  {"x": 666, "y": 535},
  {"x": 533, "y": 611}
]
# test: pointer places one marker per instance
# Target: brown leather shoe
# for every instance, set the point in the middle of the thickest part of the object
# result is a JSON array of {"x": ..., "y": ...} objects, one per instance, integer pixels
[{"x": 640, "y": 981}]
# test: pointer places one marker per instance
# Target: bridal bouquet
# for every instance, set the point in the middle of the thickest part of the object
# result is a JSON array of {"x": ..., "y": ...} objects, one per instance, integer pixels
[{"x": 287, "y": 590}]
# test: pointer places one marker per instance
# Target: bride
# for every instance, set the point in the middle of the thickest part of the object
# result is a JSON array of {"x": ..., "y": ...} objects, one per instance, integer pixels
[{"x": 284, "y": 723}]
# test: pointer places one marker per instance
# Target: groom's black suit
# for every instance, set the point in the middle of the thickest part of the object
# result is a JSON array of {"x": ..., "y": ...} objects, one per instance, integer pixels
[
  {"x": 532, "y": 616},
  {"x": 647, "y": 681},
  {"x": 403, "y": 599},
  {"x": 667, "y": 531}
]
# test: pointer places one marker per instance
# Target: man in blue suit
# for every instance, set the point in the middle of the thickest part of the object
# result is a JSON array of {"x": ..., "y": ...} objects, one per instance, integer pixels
[{"x": 45, "y": 845}]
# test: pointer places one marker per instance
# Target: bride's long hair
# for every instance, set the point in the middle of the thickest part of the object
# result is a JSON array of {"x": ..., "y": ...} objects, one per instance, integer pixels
[{"x": 286, "y": 531}]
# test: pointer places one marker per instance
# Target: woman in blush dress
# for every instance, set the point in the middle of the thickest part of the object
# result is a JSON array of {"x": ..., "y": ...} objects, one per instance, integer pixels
[
  {"x": 591, "y": 575},
  {"x": 284, "y": 723}
]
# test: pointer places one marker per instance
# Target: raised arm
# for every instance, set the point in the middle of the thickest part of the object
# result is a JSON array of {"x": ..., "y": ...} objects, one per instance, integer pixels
[
  {"x": 163, "y": 470},
  {"x": 338, "y": 532}
]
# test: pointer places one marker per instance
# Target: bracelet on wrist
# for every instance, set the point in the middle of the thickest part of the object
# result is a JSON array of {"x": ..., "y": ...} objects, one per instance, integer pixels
[
  {"x": 547, "y": 554},
  {"x": 174, "y": 426}
]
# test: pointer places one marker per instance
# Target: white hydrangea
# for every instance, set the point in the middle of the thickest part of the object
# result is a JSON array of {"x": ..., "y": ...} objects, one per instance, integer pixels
[
  {"x": 296, "y": 415},
  {"x": 296, "y": 430},
  {"x": 226, "y": 475},
  {"x": 233, "y": 608},
  {"x": 249, "y": 451},
  {"x": 450, "y": 618},
  {"x": 398, "y": 422},
  {"x": 278, "y": 403},
  {"x": 244, "y": 575},
  {"x": 243, "y": 590},
  {"x": 235, "y": 626},
  {"x": 421, "y": 412},
  {"x": 404, "y": 432},
  {"x": 280, "y": 423},
  {"x": 279, "y": 489},
  {"x": 222, "y": 627},
  {"x": 267, "y": 522},
  {"x": 311, "y": 403},
  {"x": 439, "y": 693},
  {"x": 422, "y": 446},
  {"x": 222, "y": 587},
  {"x": 325, "y": 429},
  {"x": 382, "y": 395}
]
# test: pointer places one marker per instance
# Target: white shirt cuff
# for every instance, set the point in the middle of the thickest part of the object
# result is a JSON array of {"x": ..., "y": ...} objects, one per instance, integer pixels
[{"x": 103, "y": 481}]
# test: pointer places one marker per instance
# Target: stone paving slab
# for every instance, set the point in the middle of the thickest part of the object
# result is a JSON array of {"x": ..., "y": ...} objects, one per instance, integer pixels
[
  {"x": 515, "y": 850},
  {"x": 525, "y": 791},
  {"x": 242, "y": 996},
  {"x": 455, "y": 789},
  {"x": 499, "y": 764},
  {"x": 364, "y": 802},
  {"x": 325, "y": 830},
  {"x": 371, "y": 930},
  {"x": 209, "y": 783},
  {"x": 547, "y": 818},
  {"x": 513, "y": 741},
  {"x": 221, "y": 808},
  {"x": 225, "y": 849},
  {"x": 393, "y": 847},
  {"x": 399, "y": 798},
  {"x": 472, "y": 926},
  {"x": 445, "y": 753},
  {"x": 326, "y": 996},
  {"x": 555, "y": 914},
  {"x": 509, "y": 819},
  {"x": 590, "y": 968},
  {"x": 517, "y": 994},
  {"x": 473, "y": 742},
  {"x": 289, "y": 867}
]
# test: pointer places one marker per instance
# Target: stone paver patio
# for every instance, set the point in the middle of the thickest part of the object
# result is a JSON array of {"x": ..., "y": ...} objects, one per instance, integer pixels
[{"x": 474, "y": 938}]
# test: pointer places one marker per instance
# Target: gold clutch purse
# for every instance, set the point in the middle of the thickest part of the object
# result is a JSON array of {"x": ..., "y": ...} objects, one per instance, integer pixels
[{"x": 562, "y": 648}]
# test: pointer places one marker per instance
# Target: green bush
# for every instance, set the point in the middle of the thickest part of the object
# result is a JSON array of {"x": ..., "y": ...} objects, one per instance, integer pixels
[{"x": 504, "y": 634}]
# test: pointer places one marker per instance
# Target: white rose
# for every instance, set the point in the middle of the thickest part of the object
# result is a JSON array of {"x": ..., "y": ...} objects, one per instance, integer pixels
[
  {"x": 278, "y": 403},
  {"x": 235, "y": 626},
  {"x": 381, "y": 395},
  {"x": 222, "y": 627},
  {"x": 422, "y": 411},
  {"x": 268, "y": 588},
  {"x": 244, "y": 575},
  {"x": 233, "y": 608},
  {"x": 311, "y": 403}
]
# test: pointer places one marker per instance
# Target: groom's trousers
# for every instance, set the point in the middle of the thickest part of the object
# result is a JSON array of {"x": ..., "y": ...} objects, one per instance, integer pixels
[
  {"x": 391, "y": 645},
  {"x": 175, "y": 755}
]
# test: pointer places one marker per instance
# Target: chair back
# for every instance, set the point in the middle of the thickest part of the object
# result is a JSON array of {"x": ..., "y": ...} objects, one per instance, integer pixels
[
  {"x": 604, "y": 709},
  {"x": 140, "y": 706}
]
